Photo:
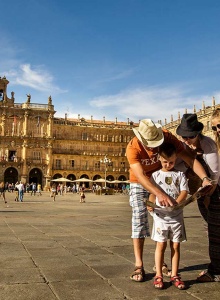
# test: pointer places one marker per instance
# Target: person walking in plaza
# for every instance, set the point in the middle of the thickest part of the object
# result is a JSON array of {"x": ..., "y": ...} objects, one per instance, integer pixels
[
  {"x": 16, "y": 191},
  {"x": 82, "y": 195},
  {"x": 39, "y": 190},
  {"x": 168, "y": 224},
  {"x": 2, "y": 191},
  {"x": 142, "y": 155},
  {"x": 33, "y": 188},
  {"x": 53, "y": 192},
  {"x": 204, "y": 149},
  {"x": 20, "y": 187}
]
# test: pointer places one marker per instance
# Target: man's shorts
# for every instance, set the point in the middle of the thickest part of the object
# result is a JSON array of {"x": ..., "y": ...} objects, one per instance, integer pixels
[
  {"x": 140, "y": 226},
  {"x": 171, "y": 228}
]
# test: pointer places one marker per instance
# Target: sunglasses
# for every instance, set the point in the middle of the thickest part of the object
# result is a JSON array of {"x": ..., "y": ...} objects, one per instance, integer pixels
[
  {"x": 189, "y": 137},
  {"x": 214, "y": 128}
]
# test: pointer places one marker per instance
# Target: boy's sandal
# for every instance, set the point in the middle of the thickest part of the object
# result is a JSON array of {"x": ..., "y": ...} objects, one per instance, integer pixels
[
  {"x": 158, "y": 282},
  {"x": 138, "y": 273},
  {"x": 177, "y": 282},
  {"x": 166, "y": 272},
  {"x": 205, "y": 276}
]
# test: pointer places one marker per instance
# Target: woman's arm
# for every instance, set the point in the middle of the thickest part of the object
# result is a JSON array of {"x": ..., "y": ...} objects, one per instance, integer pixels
[{"x": 196, "y": 166}]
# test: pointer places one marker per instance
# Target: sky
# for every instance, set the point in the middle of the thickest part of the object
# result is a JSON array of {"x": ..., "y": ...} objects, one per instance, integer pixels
[{"x": 131, "y": 59}]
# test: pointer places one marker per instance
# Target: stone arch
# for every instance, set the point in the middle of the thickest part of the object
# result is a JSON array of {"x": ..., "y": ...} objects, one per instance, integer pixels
[
  {"x": 57, "y": 175},
  {"x": 71, "y": 177},
  {"x": 36, "y": 176},
  {"x": 11, "y": 175},
  {"x": 122, "y": 178},
  {"x": 97, "y": 176}
]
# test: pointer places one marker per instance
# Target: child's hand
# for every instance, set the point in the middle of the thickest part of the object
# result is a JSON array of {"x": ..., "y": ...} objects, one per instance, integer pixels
[{"x": 150, "y": 209}]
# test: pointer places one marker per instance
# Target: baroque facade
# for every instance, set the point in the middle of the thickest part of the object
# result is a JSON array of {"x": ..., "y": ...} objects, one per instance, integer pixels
[{"x": 36, "y": 146}]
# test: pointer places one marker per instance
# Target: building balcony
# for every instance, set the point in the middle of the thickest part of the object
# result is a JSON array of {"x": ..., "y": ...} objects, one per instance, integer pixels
[
  {"x": 11, "y": 161},
  {"x": 35, "y": 161}
]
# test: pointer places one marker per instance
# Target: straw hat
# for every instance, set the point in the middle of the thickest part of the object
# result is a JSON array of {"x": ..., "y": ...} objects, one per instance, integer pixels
[{"x": 149, "y": 133}]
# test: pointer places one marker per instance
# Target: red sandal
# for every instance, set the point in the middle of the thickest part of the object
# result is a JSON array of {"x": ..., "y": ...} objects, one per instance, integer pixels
[
  {"x": 158, "y": 282},
  {"x": 177, "y": 282}
]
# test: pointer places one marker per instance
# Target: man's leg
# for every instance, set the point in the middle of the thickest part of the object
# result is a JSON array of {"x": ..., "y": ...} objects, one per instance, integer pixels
[
  {"x": 138, "y": 251},
  {"x": 140, "y": 228}
]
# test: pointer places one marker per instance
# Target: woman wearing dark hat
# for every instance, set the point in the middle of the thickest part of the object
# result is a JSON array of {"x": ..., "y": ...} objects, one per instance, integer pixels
[
  {"x": 215, "y": 119},
  {"x": 205, "y": 150}
]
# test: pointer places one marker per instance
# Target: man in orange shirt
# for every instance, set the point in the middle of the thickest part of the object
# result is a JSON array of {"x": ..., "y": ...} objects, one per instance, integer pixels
[{"x": 142, "y": 155}]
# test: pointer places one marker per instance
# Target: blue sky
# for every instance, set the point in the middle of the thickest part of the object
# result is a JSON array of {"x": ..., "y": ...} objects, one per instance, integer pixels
[{"x": 131, "y": 59}]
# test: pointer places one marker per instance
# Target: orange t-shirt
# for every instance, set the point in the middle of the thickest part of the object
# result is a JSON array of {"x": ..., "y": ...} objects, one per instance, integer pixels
[{"x": 148, "y": 157}]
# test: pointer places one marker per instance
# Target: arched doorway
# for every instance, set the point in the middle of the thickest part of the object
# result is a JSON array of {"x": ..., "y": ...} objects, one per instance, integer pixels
[
  {"x": 96, "y": 177},
  {"x": 35, "y": 176},
  {"x": 57, "y": 175},
  {"x": 110, "y": 178},
  {"x": 11, "y": 175},
  {"x": 71, "y": 177},
  {"x": 121, "y": 178}
]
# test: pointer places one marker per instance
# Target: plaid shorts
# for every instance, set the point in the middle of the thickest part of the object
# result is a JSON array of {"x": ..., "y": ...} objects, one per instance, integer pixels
[{"x": 140, "y": 226}]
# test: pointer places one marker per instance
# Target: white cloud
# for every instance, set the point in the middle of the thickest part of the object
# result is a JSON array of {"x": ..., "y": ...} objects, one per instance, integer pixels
[
  {"x": 38, "y": 78},
  {"x": 154, "y": 102},
  {"x": 24, "y": 74}
]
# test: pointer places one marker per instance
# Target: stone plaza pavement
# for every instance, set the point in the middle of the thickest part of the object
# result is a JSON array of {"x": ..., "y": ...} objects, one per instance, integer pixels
[{"x": 69, "y": 250}]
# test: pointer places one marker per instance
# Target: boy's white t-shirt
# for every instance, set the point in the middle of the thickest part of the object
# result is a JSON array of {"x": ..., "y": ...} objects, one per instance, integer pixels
[{"x": 172, "y": 183}]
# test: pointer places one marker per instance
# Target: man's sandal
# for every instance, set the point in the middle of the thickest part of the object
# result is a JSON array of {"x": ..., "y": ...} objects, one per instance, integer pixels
[
  {"x": 139, "y": 273},
  {"x": 158, "y": 282},
  {"x": 205, "y": 276},
  {"x": 166, "y": 272},
  {"x": 177, "y": 282}
]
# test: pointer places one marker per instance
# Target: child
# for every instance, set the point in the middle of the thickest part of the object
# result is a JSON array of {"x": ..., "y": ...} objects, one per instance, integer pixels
[
  {"x": 82, "y": 196},
  {"x": 168, "y": 224},
  {"x": 53, "y": 191}
]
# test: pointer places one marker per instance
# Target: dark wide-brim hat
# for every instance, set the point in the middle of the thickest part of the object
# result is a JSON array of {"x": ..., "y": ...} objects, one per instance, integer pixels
[{"x": 189, "y": 126}]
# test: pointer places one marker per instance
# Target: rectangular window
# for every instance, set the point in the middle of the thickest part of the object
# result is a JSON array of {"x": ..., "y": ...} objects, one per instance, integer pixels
[
  {"x": 58, "y": 163},
  {"x": 72, "y": 162},
  {"x": 36, "y": 155},
  {"x": 97, "y": 165},
  {"x": 84, "y": 136}
]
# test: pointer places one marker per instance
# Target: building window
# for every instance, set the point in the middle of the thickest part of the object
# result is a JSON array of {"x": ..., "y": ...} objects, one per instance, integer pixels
[
  {"x": 72, "y": 162},
  {"x": 97, "y": 165},
  {"x": 109, "y": 138},
  {"x": 58, "y": 163},
  {"x": 36, "y": 155},
  {"x": 84, "y": 136},
  {"x": 122, "y": 165}
]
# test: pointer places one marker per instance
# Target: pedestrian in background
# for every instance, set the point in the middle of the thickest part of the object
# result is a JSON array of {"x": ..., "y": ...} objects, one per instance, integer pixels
[{"x": 2, "y": 191}]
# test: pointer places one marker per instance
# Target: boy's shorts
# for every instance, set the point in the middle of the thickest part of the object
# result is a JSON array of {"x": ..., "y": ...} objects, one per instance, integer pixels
[
  {"x": 140, "y": 226},
  {"x": 171, "y": 228}
]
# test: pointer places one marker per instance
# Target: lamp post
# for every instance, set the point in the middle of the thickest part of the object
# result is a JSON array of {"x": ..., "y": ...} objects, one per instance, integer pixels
[{"x": 105, "y": 161}]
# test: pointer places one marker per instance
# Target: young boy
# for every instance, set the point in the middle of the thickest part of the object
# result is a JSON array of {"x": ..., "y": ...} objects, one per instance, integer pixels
[{"x": 168, "y": 224}]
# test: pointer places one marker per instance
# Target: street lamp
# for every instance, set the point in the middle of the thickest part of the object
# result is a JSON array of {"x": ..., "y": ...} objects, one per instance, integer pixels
[{"x": 105, "y": 161}]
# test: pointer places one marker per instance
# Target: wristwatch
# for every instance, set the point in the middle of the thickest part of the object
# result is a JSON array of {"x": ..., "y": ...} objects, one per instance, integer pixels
[{"x": 206, "y": 178}]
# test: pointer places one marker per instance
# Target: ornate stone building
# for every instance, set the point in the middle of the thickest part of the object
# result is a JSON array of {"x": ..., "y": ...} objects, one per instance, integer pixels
[
  {"x": 36, "y": 146},
  {"x": 203, "y": 116}
]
